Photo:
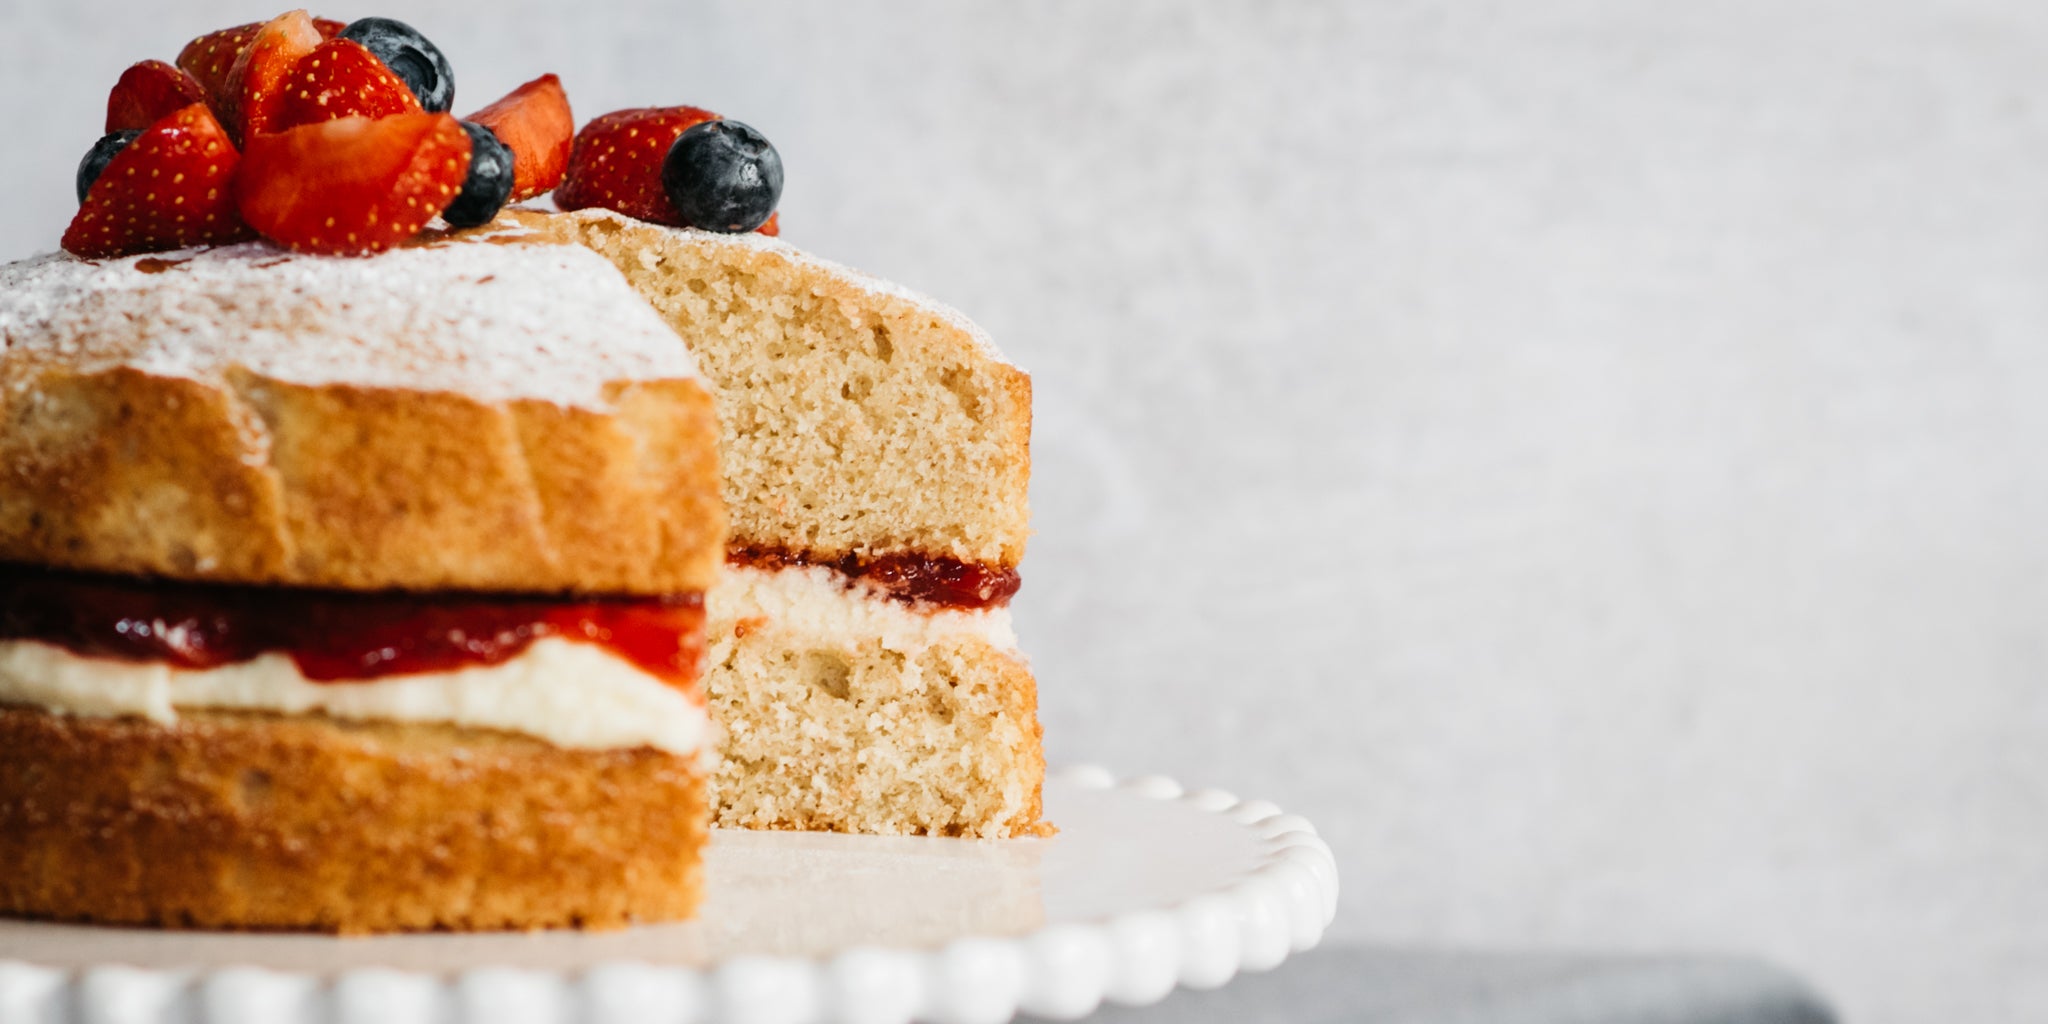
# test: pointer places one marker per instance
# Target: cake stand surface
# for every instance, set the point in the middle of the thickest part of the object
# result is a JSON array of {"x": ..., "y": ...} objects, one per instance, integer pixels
[{"x": 1145, "y": 887}]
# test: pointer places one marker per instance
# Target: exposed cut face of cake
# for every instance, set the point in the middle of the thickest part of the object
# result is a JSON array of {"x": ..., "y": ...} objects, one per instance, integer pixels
[
  {"x": 452, "y": 508},
  {"x": 876, "y": 454}
]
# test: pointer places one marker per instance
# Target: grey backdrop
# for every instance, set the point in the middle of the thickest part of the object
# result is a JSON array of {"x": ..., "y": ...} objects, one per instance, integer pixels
[{"x": 1586, "y": 455}]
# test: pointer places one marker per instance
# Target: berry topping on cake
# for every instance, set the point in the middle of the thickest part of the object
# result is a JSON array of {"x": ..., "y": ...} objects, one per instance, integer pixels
[
  {"x": 620, "y": 162},
  {"x": 723, "y": 176},
  {"x": 422, "y": 66},
  {"x": 147, "y": 93},
  {"x": 171, "y": 186},
  {"x": 489, "y": 183},
  {"x": 97, "y": 157},
  {"x": 342, "y": 79},
  {"x": 534, "y": 121},
  {"x": 616, "y": 162},
  {"x": 211, "y": 57},
  {"x": 352, "y": 186},
  {"x": 256, "y": 87},
  {"x": 343, "y": 144}
]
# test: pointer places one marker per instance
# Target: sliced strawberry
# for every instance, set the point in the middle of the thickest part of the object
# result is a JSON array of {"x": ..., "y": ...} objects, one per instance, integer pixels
[
  {"x": 149, "y": 92},
  {"x": 772, "y": 227},
  {"x": 534, "y": 122},
  {"x": 172, "y": 187},
  {"x": 616, "y": 162},
  {"x": 341, "y": 78},
  {"x": 354, "y": 185},
  {"x": 211, "y": 57},
  {"x": 255, "y": 88}
]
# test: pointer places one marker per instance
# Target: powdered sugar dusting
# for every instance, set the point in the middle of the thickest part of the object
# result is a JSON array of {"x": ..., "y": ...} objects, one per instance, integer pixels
[
  {"x": 873, "y": 286},
  {"x": 495, "y": 320}
]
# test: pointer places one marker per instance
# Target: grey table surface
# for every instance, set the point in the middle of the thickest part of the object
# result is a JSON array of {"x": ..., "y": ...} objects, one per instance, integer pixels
[{"x": 1392, "y": 986}]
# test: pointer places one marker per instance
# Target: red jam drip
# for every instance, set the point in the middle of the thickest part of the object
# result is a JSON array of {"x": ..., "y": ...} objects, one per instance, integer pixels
[
  {"x": 337, "y": 636},
  {"x": 908, "y": 577}
]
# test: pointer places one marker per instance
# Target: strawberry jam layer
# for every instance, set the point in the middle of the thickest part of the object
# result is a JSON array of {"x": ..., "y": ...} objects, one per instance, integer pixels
[
  {"x": 336, "y": 636},
  {"x": 910, "y": 578}
]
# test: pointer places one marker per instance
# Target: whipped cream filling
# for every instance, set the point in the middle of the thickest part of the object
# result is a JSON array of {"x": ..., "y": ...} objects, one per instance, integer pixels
[
  {"x": 818, "y": 602},
  {"x": 570, "y": 694}
]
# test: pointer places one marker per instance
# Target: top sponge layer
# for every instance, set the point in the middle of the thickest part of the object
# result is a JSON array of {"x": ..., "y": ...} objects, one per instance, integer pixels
[
  {"x": 492, "y": 322},
  {"x": 458, "y": 416},
  {"x": 856, "y": 418}
]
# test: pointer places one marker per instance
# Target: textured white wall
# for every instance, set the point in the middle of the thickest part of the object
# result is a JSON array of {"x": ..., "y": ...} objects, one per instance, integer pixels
[{"x": 1587, "y": 455}]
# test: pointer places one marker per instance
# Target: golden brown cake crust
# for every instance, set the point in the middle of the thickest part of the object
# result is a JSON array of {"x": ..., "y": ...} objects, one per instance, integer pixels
[
  {"x": 255, "y": 480},
  {"x": 261, "y": 822}
]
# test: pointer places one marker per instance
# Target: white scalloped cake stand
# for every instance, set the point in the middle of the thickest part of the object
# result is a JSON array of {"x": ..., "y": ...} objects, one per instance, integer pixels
[{"x": 1144, "y": 888}]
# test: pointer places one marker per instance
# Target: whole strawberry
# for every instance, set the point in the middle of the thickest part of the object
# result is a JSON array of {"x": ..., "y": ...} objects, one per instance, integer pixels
[
  {"x": 171, "y": 187},
  {"x": 616, "y": 162},
  {"x": 209, "y": 58}
]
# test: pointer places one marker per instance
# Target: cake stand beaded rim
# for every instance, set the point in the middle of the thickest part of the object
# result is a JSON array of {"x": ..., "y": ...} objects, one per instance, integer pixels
[{"x": 1277, "y": 907}]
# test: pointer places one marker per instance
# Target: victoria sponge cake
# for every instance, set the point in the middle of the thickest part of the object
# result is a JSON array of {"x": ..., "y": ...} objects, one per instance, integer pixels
[
  {"x": 351, "y": 594},
  {"x": 378, "y": 553}
]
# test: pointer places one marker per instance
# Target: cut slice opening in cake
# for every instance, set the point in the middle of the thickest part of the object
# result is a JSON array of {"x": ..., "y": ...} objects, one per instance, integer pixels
[
  {"x": 875, "y": 451},
  {"x": 845, "y": 708}
]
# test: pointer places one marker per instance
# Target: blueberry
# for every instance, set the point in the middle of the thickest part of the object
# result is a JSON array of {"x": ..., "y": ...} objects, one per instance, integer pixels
[
  {"x": 97, "y": 158},
  {"x": 417, "y": 62},
  {"x": 723, "y": 176},
  {"x": 489, "y": 183}
]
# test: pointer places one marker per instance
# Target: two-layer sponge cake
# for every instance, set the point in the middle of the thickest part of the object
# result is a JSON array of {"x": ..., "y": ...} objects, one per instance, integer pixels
[
  {"x": 876, "y": 454},
  {"x": 351, "y": 594}
]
